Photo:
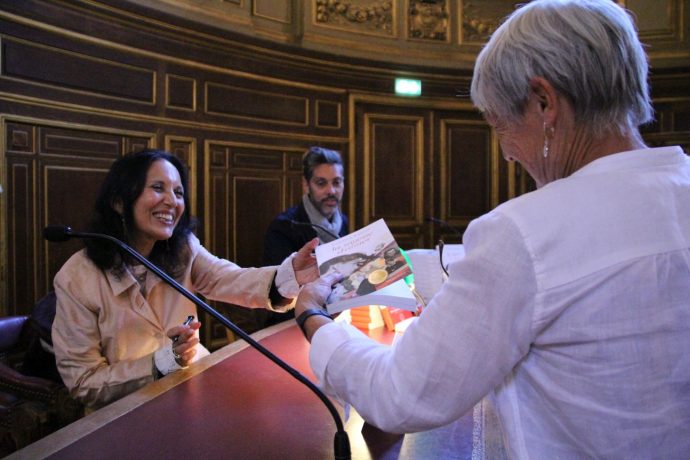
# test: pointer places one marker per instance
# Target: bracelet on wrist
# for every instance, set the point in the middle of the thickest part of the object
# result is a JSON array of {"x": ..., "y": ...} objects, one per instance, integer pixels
[{"x": 308, "y": 313}]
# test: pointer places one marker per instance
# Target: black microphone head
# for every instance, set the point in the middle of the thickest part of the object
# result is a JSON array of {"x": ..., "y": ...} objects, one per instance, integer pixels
[{"x": 57, "y": 233}]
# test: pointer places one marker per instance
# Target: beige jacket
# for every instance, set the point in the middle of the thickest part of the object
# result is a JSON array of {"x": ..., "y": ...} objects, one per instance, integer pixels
[{"x": 105, "y": 331}]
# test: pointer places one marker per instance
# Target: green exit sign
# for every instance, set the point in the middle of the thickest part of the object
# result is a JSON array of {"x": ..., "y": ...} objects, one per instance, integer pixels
[{"x": 408, "y": 87}]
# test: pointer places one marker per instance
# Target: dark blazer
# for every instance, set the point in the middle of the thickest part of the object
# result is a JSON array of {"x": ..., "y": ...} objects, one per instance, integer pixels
[{"x": 283, "y": 237}]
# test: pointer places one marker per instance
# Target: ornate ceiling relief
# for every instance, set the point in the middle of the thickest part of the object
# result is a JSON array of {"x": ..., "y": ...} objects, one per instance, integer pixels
[
  {"x": 428, "y": 19},
  {"x": 481, "y": 18},
  {"x": 371, "y": 15}
]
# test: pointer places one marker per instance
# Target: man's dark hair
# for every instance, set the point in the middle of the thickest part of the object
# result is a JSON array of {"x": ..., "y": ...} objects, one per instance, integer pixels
[
  {"x": 316, "y": 156},
  {"x": 123, "y": 185}
]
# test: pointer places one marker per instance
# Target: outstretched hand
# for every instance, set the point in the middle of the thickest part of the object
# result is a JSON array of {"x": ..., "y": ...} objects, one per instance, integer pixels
[
  {"x": 314, "y": 294},
  {"x": 304, "y": 263}
]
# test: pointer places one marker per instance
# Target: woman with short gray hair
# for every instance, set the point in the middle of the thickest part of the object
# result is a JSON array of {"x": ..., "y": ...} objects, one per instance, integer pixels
[{"x": 571, "y": 308}]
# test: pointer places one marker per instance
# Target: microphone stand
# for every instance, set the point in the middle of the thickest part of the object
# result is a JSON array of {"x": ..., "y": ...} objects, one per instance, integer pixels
[
  {"x": 341, "y": 443},
  {"x": 320, "y": 227},
  {"x": 445, "y": 224}
]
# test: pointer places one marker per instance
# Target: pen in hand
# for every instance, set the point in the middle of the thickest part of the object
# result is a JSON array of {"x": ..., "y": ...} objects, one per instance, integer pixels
[{"x": 187, "y": 322}]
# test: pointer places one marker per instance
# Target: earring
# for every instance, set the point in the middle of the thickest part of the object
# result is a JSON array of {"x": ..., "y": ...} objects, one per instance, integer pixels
[{"x": 547, "y": 140}]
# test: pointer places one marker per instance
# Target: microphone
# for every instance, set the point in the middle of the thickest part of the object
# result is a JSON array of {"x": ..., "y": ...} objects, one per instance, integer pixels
[
  {"x": 57, "y": 233},
  {"x": 309, "y": 224},
  {"x": 445, "y": 224},
  {"x": 341, "y": 443}
]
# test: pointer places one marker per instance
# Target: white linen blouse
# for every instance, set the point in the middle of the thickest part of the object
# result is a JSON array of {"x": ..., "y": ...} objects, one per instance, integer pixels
[{"x": 571, "y": 309}]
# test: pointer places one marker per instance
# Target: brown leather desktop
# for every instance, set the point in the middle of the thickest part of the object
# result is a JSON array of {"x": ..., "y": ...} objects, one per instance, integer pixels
[{"x": 236, "y": 404}]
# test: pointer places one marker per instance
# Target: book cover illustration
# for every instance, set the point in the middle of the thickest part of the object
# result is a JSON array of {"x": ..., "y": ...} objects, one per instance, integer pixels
[{"x": 371, "y": 262}]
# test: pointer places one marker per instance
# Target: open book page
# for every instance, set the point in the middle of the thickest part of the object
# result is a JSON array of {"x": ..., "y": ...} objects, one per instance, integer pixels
[
  {"x": 373, "y": 268},
  {"x": 452, "y": 253},
  {"x": 426, "y": 264},
  {"x": 428, "y": 275}
]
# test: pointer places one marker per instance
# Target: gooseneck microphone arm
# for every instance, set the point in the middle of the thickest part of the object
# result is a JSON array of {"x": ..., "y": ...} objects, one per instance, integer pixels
[
  {"x": 341, "y": 443},
  {"x": 309, "y": 224},
  {"x": 443, "y": 223}
]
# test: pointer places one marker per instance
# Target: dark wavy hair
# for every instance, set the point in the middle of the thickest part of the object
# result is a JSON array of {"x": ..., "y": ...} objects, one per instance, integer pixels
[
  {"x": 124, "y": 184},
  {"x": 317, "y": 156}
]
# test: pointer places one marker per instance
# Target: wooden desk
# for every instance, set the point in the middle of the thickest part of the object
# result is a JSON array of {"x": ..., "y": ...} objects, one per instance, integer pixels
[{"x": 238, "y": 404}]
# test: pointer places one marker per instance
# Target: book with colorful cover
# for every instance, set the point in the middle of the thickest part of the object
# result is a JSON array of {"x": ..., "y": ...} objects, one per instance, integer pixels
[{"x": 373, "y": 270}]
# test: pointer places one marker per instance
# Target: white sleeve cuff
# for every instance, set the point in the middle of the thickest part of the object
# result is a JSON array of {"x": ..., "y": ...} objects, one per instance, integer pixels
[
  {"x": 165, "y": 361},
  {"x": 201, "y": 352},
  {"x": 285, "y": 279}
]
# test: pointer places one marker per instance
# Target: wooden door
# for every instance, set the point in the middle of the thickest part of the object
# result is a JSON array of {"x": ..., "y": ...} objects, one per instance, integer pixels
[{"x": 416, "y": 160}]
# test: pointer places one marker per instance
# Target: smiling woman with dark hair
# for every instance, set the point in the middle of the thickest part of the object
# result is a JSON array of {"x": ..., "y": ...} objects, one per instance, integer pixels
[
  {"x": 117, "y": 326},
  {"x": 114, "y": 214}
]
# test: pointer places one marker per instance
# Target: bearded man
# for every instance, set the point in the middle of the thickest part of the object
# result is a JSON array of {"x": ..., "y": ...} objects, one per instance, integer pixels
[{"x": 317, "y": 215}]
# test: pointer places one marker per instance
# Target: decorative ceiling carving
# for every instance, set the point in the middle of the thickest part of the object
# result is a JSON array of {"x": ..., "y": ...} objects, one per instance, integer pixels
[
  {"x": 436, "y": 33},
  {"x": 481, "y": 18},
  {"x": 429, "y": 20},
  {"x": 369, "y": 15}
]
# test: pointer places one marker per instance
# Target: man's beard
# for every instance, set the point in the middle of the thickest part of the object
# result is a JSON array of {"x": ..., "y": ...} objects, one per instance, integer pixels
[{"x": 322, "y": 207}]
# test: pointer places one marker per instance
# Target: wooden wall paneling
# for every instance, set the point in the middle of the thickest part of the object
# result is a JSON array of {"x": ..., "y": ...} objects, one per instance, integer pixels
[
  {"x": 659, "y": 22},
  {"x": 72, "y": 165},
  {"x": 294, "y": 174},
  {"x": 469, "y": 173},
  {"x": 184, "y": 148},
  {"x": 394, "y": 174},
  {"x": 392, "y": 149},
  {"x": 271, "y": 105},
  {"x": 19, "y": 281},
  {"x": 216, "y": 227},
  {"x": 506, "y": 183},
  {"x": 70, "y": 190},
  {"x": 258, "y": 177},
  {"x": 180, "y": 92},
  {"x": 447, "y": 132},
  {"x": 144, "y": 82},
  {"x": 479, "y": 178},
  {"x": 671, "y": 125},
  {"x": 256, "y": 201},
  {"x": 524, "y": 183},
  {"x": 267, "y": 106},
  {"x": 75, "y": 69},
  {"x": 328, "y": 114},
  {"x": 54, "y": 173},
  {"x": 248, "y": 188}
]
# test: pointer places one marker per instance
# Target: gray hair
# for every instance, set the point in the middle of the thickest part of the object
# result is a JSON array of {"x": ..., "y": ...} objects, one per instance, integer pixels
[
  {"x": 587, "y": 49},
  {"x": 316, "y": 156}
]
